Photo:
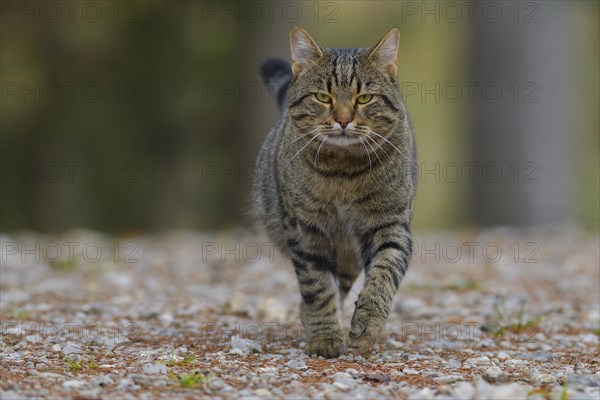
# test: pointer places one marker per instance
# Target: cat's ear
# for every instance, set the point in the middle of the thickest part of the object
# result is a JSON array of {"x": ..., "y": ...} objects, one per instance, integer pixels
[
  {"x": 385, "y": 53},
  {"x": 304, "y": 49}
]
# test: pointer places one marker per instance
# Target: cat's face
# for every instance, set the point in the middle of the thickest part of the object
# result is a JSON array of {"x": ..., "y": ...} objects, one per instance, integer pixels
[{"x": 348, "y": 97}]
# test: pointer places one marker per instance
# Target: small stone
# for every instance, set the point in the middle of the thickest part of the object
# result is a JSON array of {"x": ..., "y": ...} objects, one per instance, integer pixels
[
  {"x": 247, "y": 346},
  {"x": 268, "y": 370},
  {"x": 536, "y": 356},
  {"x": 582, "y": 381},
  {"x": 32, "y": 338},
  {"x": 377, "y": 377},
  {"x": 263, "y": 393},
  {"x": 515, "y": 362},
  {"x": 103, "y": 380},
  {"x": 237, "y": 351},
  {"x": 463, "y": 391},
  {"x": 478, "y": 360},
  {"x": 446, "y": 379},
  {"x": 126, "y": 384},
  {"x": 297, "y": 364},
  {"x": 220, "y": 385},
  {"x": 532, "y": 374},
  {"x": 166, "y": 318},
  {"x": 494, "y": 375},
  {"x": 409, "y": 371},
  {"x": 344, "y": 379},
  {"x": 502, "y": 356},
  {"x": 154, "y": 369},
  {"x": 546, "y": 379},
  {"x": 72, "y": 348},
  {"x": 511, "y": 391},
  {"x": 453, "y": 363},
  {"x": 90, "y": 394},
  {"x": 486, "y": 343},
  {"x": 423, "y": 394},
  {"x": 73, "y": 384},
  {"x": 55, "y": 348},
  {"x": 341, "y": 386}
]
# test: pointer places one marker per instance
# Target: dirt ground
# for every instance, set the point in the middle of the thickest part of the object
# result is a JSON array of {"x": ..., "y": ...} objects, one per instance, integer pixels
[{"x": 500, "y": 313}]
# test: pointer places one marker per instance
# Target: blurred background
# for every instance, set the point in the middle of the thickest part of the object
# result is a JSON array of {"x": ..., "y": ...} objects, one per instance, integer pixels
[{"x": 143, "y": 116}]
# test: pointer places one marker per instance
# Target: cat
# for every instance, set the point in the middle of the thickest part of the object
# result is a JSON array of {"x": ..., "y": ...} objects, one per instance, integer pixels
[{"x": 335, "y": 184}]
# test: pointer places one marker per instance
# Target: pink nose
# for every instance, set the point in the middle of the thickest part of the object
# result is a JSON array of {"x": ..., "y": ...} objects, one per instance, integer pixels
[{"x": 343, "y": 122}]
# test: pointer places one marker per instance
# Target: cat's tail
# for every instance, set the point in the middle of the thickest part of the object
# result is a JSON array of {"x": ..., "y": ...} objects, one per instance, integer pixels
[{"x": 276, "y": 74}]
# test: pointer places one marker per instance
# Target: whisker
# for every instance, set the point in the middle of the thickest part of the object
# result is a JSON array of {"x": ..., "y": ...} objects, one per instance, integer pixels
[
  {"x": 378, "y": 145},
  {"x": 317, "y": 156},
  {"x": 305, "y": 128},
  {"x": 377, "y": 155},
  {"x": 301, "y": 136},
  {"x": 367, "y": 151},
  {"x": 402, "y": 154},
  {"x": 392, "y": 144},
  {"x": 303, "y": 147}
]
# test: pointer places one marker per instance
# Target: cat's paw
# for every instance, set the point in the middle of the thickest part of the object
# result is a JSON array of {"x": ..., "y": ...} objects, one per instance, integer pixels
[
  {"x": 365, "y": 330},
  {"x": 328, "y": 347}
]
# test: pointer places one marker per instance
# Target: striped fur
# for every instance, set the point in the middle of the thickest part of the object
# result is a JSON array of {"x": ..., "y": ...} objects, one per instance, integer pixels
[{"x": 338, "y": 203}]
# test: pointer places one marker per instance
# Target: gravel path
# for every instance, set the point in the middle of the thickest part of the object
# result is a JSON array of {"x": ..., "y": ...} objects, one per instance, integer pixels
[{"x": 500, "y": 314}]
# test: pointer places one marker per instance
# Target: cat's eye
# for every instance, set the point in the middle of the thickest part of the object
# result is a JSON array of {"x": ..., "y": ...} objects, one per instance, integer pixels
[
  {"x": 364, "y": 98},
  {"x": 323, "y": 98}
]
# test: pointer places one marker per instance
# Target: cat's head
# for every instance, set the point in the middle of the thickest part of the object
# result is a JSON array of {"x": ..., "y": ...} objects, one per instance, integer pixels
[{"x": 348, "y": 96}]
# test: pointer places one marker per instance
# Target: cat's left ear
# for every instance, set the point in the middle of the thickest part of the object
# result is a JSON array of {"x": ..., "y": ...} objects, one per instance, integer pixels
[
  {"x": 304, "y": 49},
  {"x": 385, "y": 53}
]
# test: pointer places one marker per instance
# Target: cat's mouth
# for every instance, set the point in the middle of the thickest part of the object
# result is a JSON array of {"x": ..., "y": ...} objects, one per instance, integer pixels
[{"x": 342, "y": 139}]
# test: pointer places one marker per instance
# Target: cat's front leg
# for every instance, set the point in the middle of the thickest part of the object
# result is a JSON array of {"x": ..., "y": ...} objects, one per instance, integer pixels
[
  {"x": 320, "y": 309},
  {"x": 386, "y": 252}
]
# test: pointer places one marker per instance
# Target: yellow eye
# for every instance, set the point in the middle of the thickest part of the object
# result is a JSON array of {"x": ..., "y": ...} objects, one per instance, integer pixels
[
  {"x": 323, "y": 98},
  {"x": 364, "y": 98}
]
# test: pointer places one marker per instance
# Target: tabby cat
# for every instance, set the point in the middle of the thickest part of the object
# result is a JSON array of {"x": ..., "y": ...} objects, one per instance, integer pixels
[{"x": 335, "y": 184}]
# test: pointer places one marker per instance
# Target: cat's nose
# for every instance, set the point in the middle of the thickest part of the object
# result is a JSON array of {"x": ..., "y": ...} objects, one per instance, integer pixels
[{"x": 343, "y": 122}]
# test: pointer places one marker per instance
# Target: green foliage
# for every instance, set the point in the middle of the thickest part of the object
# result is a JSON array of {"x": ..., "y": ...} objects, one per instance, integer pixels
[
  {"x": 191, "y": 380},
  {"x": 512, "y": 321},
  {"x": 174, "y": 361},
  {"x": 78, "y": 366},
  {"x": 20, "y": 314}
]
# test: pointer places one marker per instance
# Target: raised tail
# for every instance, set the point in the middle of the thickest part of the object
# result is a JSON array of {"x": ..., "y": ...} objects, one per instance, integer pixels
[{"x": 276, "y": 73}]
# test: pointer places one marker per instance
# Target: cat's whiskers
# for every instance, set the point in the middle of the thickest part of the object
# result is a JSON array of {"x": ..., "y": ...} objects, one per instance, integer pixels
[
  {"x": 303, "y": 147},
  {"x": 317, "y": 156},
  {"x": 368, "y": 155},
  {"x": 377, "y": 155},
  {"x": 301, "y": 136},
  {"x": 403, "y": 155},
  {"x": 378, "y": 145}
]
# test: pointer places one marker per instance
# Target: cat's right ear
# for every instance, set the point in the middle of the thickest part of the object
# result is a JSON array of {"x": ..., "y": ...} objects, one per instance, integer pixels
[{"x": 304, "y": 49}]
